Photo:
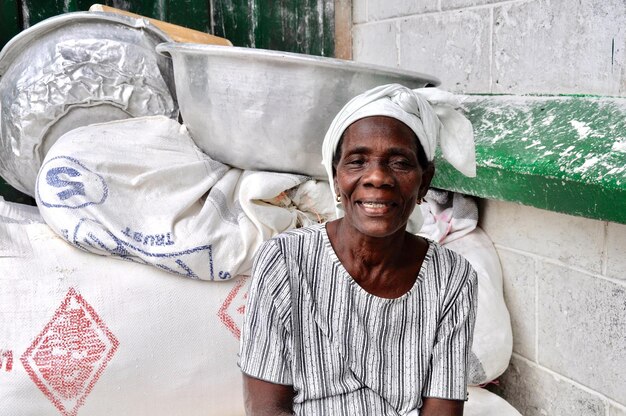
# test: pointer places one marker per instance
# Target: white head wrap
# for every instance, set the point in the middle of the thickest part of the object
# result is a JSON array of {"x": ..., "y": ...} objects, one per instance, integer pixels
[{"x": 429, "y": 112}]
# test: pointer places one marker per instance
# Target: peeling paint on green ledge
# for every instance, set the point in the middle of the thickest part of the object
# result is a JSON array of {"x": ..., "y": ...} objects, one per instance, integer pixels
[{"x": 560, "y": 153}]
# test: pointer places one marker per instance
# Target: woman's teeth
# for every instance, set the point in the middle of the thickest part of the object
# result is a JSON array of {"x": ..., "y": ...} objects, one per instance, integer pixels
[{"x": 374, "y": 204}]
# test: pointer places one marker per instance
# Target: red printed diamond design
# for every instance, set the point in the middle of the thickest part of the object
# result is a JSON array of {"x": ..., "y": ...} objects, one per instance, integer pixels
[
  {"x": 232, "y": 310},
  {"x": 67, "y": 358}
]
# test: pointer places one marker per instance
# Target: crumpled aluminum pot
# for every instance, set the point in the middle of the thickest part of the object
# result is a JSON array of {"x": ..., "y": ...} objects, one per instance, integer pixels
[
  {"x": 267, "y": 110},
  {"x": 73, "y": 70}
]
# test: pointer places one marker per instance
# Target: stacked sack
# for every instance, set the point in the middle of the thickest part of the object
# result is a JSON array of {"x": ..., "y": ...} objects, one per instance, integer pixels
[
  {"x": 89, "y": 335},
  {"x": 452, "y": 220},
  {"x": 149, "y": 195}
]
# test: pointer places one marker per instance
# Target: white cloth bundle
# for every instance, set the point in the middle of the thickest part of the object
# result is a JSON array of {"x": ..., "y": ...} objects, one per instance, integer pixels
[
  {"x": 141, "y": 190},
  {"x": 447, "y": 216},
  {"x": 493, "y": 337},
  {"x": 11, "y": 212},
  {"x": 429, "y": 112},
  {"x": 481, "y": 402}
]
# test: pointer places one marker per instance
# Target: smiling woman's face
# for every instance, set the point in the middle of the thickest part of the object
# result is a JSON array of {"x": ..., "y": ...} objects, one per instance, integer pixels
[{"x": 378, "y": 176}]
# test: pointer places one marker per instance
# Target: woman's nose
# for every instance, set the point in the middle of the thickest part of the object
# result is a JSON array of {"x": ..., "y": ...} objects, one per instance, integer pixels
[{"x": 378, "y": 174}]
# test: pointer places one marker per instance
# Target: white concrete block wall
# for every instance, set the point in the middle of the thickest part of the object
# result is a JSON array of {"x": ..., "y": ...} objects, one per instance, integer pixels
[
  {"x": 616, "y": 412},
  {"x": 461, "y": 58},
  {"x": 565, "y": 287},
  {"x": 616, "y": 251},
  {"x": 384, "y": 33},
  {"x": 564, "y": 276},
  {"x": 491, "y": 46}
]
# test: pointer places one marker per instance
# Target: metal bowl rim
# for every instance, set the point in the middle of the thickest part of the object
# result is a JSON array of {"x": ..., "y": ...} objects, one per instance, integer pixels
[
  {"x": 291, "y": 57},
  {"x": 22, "y": 40}
]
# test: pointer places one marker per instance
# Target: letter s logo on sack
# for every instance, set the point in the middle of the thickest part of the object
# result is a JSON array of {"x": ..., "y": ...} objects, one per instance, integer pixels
[
  {"x": 64, "y": 182},
  {"x": 54, "y": 178}
]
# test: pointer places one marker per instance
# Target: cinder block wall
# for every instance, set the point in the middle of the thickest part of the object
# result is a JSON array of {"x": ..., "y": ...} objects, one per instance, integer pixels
[
  {"x": 565, "y": 276},
  {"x": 519, "y": 46},
  {"x": 565, "y": 286}
]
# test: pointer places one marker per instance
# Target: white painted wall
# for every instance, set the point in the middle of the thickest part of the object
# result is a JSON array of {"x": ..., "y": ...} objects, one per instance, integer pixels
[
  {"x": 520, "y": 46},
  {"x": 565, "y": 287},
  {"x": 565, "y": 276}
]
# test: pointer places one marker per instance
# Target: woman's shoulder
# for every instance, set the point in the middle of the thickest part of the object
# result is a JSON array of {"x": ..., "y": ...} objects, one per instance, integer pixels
[
  {"x": 297, "y": 236},
  {"x": 447, "y": 254},
  {"x": 454, "y": 266},
  {"x": 294, "y": 243},
  {"x": 302, "y": 232}
]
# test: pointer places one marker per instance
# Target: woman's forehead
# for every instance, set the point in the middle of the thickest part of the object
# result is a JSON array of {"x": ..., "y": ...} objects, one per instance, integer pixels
[
  {"x": 379, "y": 121},
  {"x": 380, "y": 130}
]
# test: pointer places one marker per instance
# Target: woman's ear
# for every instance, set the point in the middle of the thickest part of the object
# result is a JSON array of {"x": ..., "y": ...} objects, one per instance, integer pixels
[{"x": 427, "y": 177}]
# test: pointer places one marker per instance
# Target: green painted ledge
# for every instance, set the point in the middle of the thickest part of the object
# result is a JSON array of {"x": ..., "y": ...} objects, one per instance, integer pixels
[{"x": 560, "y": 153}]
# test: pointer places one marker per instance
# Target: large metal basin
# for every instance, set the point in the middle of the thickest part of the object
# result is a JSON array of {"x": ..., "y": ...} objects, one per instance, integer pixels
[
  {"x": 72, "y": 70},
  {"x": 266, "y": 110}
]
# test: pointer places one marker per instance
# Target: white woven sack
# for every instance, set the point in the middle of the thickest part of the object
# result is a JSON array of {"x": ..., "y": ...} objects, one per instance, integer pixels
[
  {"x": 481, "y": 402},
  {"x": 141, "y": 190},
  {"x": 88, "y": 335},
  {"x": 493, "y": 338}
]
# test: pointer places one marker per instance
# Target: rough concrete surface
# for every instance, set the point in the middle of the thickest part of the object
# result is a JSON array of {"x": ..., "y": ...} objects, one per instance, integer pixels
[
  {"x": 616, "y": 251},
  {"x": 359, "y": 11},
  {"x": 617, "y": 411},
  {"x": 573, "y": 240},
  {"x": 535, "y": 392},
  {"x": 453, "y": 46},
  {"x": 581, "y": 327},
  {"x": 560, "y": 46},
  {"x": 375, "y": 43},
  {"x": 394, "y": 8},
  {"x": 458, "y": 4},
  {"x": 518, "y": 273}
]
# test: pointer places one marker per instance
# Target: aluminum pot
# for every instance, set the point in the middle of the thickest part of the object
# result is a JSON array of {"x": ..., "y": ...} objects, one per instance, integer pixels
[
  {"x": 72, "y": 70},
  {"x": 267, "y": 110}
]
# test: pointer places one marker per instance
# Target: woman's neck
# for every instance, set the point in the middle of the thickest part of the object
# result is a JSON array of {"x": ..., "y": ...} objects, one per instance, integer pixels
[
  {"x": 373, "y": 251},
  {"x": 383, "y": 266}
]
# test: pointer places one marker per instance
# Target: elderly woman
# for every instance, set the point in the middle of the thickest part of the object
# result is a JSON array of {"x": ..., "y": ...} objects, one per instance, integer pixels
[{"x": 358, "y": 316}]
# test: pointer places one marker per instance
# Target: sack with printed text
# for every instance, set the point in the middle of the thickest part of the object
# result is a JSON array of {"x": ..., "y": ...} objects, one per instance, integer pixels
[
  {"x": 88, "y": 335},
  {"x": 141, "y": 190},
  {"x": 82, "y": 334}
]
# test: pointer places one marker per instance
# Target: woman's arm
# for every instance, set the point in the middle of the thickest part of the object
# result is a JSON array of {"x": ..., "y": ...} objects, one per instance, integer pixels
[
  {"x": 265, "y": 348},
  {"x": 263, "y": 398},
  {"x": 441, "y": 407}
]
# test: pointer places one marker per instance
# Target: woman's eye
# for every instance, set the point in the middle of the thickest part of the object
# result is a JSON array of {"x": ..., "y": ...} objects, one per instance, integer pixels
[
  {"x": 402, "y": 164},
  {"x": 355, "y": 162}
]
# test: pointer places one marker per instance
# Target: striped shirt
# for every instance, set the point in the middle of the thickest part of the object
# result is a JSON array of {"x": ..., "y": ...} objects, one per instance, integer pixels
[{"x": 308, "y": 324}]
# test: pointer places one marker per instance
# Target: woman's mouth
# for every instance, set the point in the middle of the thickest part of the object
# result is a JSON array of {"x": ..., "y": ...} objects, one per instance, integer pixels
[
  {"x": 371, "y": 204},
  {"x": 376, "y": 207}
]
